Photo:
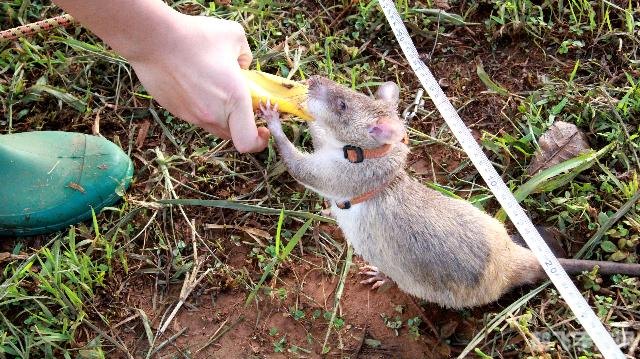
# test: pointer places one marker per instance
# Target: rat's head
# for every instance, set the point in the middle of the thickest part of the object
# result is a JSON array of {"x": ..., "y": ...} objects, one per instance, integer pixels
[{"x": 354, "y": 118}]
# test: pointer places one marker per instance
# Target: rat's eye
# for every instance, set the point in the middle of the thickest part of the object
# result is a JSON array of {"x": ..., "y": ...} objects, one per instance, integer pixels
[{"x": 342, "y": 105}]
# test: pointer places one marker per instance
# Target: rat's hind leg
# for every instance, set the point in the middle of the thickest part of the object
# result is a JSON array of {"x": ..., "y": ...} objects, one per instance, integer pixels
[{"x": 376, "y": 277}]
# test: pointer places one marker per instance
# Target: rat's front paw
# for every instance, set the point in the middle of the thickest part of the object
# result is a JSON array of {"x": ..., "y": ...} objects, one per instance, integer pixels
[{"x": 272, "y": 116}]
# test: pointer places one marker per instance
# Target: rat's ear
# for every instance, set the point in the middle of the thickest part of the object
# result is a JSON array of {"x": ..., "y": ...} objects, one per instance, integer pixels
[
  {"x": 388, "y": 92},
  {"x": 387, "y": 131}
]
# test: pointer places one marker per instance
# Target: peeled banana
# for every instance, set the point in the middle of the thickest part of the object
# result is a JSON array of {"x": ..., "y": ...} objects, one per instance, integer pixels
[{"x": 288, "y": 94}]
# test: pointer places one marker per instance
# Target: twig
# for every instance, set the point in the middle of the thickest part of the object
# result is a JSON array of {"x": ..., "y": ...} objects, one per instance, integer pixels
[
  {"x": 422, "y": 315},
  {"x": 169, "y": 184},
  {"x": 633, "y": 347},
  {"x": 189, "y": 284},
  {"x": 170, "y": 340}
]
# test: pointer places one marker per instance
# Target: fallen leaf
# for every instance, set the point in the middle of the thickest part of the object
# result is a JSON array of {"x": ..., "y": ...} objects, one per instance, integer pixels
[
  {"x": 142, "y": 133},
  {"x": 421, "y": 167},
  {"x": 254, "y": 233},
  {"x": 562, "y": 141}
]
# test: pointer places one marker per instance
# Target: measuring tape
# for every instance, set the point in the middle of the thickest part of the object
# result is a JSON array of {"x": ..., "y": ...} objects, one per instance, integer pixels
[{"x": 550, "y": 263}]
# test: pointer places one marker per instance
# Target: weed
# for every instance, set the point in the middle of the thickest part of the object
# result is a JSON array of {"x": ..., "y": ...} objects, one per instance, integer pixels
[
  {"x": 413, "y": 324},
  {"x": 392, "y": 323},
  {"x": 45, "y": 299}
]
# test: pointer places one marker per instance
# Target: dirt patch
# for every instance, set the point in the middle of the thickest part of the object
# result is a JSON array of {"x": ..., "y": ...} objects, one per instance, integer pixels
[{"x": 292, "y": 320}]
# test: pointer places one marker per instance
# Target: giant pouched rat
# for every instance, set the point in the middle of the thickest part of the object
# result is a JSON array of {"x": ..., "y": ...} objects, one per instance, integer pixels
[{"x": 437, "y": 248}]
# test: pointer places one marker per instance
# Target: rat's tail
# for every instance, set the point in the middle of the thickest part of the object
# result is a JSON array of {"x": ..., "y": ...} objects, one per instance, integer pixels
[{"x": 577, "y": 266}]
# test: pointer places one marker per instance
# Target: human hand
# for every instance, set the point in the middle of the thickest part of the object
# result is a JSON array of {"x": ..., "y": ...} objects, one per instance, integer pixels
[{"x": 196, "y": 75}]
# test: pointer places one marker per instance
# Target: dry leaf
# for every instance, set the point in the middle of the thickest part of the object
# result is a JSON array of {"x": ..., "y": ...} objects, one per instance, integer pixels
[
  {"x": 142, "y": 133},
  {"x": 561, "y": 142}
]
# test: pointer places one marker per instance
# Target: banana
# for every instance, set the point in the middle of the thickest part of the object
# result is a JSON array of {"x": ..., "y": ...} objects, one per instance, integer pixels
[{"x": 288, "y": 94}]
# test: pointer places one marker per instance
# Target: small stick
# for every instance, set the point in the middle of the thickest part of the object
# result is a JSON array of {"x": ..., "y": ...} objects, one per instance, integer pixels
[
  {"x": 190, "y": 283},
  {"x": 170, "y": 340}
]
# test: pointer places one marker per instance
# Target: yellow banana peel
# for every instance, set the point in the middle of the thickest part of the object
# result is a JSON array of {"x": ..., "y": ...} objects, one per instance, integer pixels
[{"x": 290, "y": 95}]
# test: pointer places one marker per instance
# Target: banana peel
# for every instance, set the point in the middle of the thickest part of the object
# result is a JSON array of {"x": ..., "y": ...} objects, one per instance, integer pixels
[{"x": 290, "y": 95}]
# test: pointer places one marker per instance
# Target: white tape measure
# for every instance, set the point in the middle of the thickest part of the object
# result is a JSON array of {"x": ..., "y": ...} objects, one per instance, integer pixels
[{"x": 552, "y": 267}]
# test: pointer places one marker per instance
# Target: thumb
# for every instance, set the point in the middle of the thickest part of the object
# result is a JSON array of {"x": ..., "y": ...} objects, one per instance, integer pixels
[{"x": 245, "y": 56}]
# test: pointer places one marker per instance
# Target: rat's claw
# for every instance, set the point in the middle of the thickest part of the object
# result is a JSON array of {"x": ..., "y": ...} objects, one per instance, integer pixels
[
  {"x": 366, "y": 269},
  {"x": 378, "y": 284},
  {"x": 376, "y": 277}
]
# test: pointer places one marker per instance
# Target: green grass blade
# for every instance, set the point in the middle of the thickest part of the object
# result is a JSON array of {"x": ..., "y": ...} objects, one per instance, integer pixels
[
  {"x": 444, "y": 17},
  {"x": 147, "y": 326},
  {"x": 61, "y": 95},
  {"x": 551, "y": 178},
  {"x": 278, "y": 230},
  {"x": 484, "y": 77},
  {"x": 500, "y": 318},
  {"x": 267, "y": 270},
  {"x": 295, "y": 239},
  {"x": 437, "y": 187}
]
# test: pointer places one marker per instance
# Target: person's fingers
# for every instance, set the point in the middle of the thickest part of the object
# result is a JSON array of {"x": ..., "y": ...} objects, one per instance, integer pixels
[
  {"x": 245, "y": 56},
  {"x": 242, "y": 125}
]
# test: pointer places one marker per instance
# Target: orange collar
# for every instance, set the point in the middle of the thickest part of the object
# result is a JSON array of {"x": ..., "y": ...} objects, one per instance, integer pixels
[{"x": 357, "y": 154}]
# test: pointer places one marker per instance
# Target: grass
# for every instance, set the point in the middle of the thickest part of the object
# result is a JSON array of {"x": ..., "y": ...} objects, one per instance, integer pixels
[{"x": 203, "y": 225}]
